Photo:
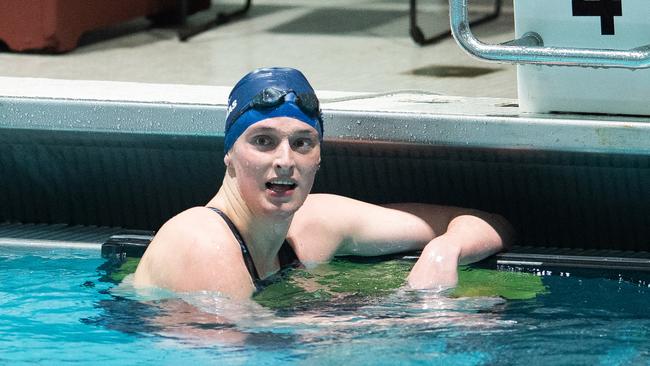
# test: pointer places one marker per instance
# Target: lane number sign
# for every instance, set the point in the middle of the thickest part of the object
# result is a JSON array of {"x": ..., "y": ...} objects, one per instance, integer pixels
[{"x": 605, "y": 9}]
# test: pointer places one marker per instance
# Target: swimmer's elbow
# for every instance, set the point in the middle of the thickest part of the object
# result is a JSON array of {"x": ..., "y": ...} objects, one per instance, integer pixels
[{"x": 492, "y": 231}]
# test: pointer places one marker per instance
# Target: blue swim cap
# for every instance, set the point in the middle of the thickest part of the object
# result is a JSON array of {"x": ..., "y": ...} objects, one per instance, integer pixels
[{"x": 298, "y": 101}]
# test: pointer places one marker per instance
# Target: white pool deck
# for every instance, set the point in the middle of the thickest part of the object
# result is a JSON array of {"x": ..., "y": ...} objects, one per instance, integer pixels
[{"x": 359, "y": 46}]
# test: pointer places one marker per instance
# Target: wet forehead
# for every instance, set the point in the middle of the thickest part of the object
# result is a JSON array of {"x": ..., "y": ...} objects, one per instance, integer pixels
[{"x": 281, "y": 125}]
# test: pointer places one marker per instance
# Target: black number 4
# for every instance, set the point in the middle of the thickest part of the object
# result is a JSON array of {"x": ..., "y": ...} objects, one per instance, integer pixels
[{"x": 605, "y": 9}]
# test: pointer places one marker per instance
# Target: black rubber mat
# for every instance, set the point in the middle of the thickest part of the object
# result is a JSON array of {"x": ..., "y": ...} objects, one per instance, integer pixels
[
  {"x": 541, "y": 257},
  {"x": 119, "y": 247},
  {"x": 33, "y": 234}
]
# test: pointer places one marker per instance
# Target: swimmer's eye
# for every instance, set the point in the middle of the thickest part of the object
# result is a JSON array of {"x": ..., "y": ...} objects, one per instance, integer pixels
[
  {"x": 262, "y": 140},
  {"x": 303, "y": 143}
]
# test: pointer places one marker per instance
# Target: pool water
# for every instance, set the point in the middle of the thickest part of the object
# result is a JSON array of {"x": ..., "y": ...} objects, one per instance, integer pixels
[{"x": 57, "y": 307}]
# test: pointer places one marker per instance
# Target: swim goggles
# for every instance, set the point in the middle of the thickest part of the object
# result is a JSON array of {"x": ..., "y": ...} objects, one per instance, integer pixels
[{"x": 272, "y": 97}]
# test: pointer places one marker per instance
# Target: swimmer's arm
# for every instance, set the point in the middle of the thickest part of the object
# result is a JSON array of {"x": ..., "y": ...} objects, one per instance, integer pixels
[
  {"x": 447, "y": 236},
  {"x": 372, "y": 230}
]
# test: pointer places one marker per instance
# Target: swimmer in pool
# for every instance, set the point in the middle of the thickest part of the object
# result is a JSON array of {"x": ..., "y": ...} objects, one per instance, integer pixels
[{"x": 263, "y": 219}]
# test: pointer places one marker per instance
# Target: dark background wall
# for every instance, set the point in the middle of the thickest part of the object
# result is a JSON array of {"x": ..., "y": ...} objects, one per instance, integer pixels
[{"x": 138, "y": 181}]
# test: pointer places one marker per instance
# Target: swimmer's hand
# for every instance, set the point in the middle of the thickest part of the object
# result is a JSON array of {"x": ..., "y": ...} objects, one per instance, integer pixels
[
  {"x": 469, "y": 238},
  {"x": 437, "y": 267}
]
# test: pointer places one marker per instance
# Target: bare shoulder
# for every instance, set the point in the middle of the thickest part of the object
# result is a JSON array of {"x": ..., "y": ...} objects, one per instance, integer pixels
[
  {"x": 322, "y": 224},
  {"x": 195, "y": 251}
]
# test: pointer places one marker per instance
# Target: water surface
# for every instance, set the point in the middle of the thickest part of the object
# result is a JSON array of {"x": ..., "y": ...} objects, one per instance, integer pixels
[{"x": 56, "y": 307}]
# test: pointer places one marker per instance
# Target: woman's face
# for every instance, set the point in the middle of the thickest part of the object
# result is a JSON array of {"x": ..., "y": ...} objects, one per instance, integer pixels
[{"x": 274, "y": 163}]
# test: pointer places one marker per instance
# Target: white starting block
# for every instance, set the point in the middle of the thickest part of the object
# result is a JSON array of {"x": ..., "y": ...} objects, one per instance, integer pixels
[
  {"x": 588, "y": 56},
  {"x": 603, "y": 24}
]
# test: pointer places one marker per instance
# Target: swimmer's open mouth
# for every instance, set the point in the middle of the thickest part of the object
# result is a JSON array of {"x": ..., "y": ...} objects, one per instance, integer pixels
[{"x": 281, "y": 185}]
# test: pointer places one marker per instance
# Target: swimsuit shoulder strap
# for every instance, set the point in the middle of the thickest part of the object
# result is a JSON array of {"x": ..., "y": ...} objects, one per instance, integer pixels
[{"x": 248, "y": 260}]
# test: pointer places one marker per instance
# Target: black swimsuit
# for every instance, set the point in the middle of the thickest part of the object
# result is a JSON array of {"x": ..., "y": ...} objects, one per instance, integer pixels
[{"x": 286, "y": 255}]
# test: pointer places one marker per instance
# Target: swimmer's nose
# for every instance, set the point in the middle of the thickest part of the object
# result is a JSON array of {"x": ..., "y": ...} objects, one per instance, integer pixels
[{"x": 284, "y": 159}]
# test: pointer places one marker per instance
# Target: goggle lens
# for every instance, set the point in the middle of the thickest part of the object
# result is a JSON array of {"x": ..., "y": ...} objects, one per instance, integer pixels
[
  {"x": 273, "y": 97},
  {"x": 269, "y": 97},
  {"x": 309, "y": 104}
]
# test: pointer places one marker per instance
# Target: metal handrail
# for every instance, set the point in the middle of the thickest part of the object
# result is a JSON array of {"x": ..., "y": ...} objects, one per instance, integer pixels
[{"x": 530, "y": 49}]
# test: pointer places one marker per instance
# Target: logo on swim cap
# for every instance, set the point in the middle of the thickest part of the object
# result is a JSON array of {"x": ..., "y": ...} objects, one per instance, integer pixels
[
  {"x": 232, "y": 106},
  {"x": 267, "y": 93}
]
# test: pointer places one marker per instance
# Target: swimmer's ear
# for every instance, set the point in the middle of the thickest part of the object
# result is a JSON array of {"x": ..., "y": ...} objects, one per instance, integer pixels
[
  {"x": 229, "y": 169},
  {"x": 226, "y": 159}
]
